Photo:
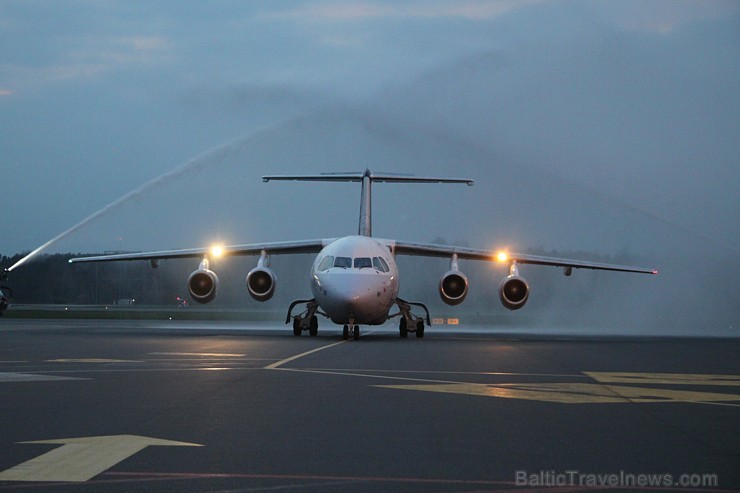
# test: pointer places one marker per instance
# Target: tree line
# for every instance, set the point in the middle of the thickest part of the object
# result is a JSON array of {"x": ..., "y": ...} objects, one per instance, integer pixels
[{"x": 50, "y": 278}]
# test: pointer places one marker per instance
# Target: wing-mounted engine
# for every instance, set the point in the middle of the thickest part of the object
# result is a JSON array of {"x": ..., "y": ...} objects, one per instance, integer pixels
[
  {"x": 453, "y": 286},
  {"x": 261, "y": 283},
  {"x": 203, "y": 283},
  {"x": 513, "y": 290},
  {"x": 261, "y": 280}
]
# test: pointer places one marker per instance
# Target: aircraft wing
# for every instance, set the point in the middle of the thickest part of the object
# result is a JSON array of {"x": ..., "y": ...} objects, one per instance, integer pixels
[
  {"x": 433, "y": 250},
  {"x": 272, "y": 248}
]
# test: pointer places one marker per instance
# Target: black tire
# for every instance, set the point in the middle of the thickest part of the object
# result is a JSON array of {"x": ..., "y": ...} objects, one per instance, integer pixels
[
  {"x": 296, "y": 326},
  {"x": 356, "y": 332},
  {"x": 313, "y": 329},
  {"x": 402, "y": 330},
  {"x": 420, "y": 329},
  {"x": 345, "y": 333}
]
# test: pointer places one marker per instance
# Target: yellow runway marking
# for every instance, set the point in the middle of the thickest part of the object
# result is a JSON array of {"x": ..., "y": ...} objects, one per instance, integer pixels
[
  {"x": 32, "y": 377},
  {"x": 572, "y": 393},
  {"x": 79, "y": 459},
  {"x": 665, "y": 378}
]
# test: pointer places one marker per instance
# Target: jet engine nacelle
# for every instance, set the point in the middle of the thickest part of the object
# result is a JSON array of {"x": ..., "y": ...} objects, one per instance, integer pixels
[
  {"x": 513, "y": 292},
  {"x": 453, "y": 287},
  {"x": 202, "y": 285},
  {"x": 261, "y": 283}
]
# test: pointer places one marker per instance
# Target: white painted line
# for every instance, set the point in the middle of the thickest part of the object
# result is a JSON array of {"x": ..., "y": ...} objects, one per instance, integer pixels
[
  {"x": 442, "y": 372},
  {"x": 718, "y": 403},
  {"x": 212, "y": 355},
  {"x": 363, "y": 375},
  {"x": 91, "y": 360},
  {"x": 280, "y": 363}
]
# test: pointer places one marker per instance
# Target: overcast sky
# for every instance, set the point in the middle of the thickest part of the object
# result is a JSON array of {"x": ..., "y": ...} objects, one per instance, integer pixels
[
  {"x": 607, "y": 127},
  {"x": 97, "y": 98}
]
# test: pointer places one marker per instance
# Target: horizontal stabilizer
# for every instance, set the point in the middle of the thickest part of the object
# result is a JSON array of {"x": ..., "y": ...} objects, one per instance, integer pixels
[
  {"x": 375, "y": 177},
  {"x": 367, "y": 178}
]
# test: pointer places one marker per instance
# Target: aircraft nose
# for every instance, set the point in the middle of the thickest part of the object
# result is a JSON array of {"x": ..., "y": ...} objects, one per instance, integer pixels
[{"x": 354, "y": 297}]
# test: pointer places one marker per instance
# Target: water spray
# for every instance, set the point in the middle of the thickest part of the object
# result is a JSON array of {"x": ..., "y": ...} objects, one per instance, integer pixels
[{"x": 213, "y": 156}]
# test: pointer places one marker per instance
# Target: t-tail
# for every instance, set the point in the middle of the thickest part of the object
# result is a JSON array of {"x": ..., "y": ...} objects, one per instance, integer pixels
[{"x": 367, "y": 178}]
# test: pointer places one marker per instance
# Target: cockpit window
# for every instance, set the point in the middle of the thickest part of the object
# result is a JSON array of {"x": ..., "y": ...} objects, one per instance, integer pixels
[
  {"x": 362, "y": 262},
  {"x": 343, "y": 262},
  {"x": 326, "y": 263},
  {"x": 380, "y": 264},
  {"x": 347, "y": 263}
]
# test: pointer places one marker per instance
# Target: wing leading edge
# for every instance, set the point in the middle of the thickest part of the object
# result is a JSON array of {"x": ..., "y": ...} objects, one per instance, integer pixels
[
  {"x": 274, "y": 248},
  {"x": 433, "y": 250},
  {"x": 397, "y": 247}
]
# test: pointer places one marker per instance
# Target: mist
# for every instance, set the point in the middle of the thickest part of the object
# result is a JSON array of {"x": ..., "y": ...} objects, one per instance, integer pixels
[{"x": 584, "y": 139}]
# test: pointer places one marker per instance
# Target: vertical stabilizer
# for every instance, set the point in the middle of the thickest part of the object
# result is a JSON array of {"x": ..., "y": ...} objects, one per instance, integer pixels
[{"x": 366, "y": 205}]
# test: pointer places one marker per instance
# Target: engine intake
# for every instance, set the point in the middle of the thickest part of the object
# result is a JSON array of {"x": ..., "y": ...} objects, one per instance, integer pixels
[
  {"x": 453, "y": 287},
  {"x": 513, "y": 292},
  {"x": 202, "y": 285},
  {"x": 261, "y": 283}
]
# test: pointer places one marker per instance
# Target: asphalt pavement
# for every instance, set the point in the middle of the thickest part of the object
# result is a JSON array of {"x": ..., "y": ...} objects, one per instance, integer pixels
[{"x": 206, "y": 406}]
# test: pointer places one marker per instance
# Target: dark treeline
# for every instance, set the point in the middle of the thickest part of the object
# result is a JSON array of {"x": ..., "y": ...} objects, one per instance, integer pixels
[{"x": 49, "y": 278}]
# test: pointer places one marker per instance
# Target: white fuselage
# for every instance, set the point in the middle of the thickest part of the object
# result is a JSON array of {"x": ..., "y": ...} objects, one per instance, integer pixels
[{"x": 355, "y": 280}]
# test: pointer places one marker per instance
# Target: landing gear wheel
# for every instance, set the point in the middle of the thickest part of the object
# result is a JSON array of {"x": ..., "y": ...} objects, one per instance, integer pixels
[
  {"x": 296, "y": 326},
  {"x": 403, "y": 331},
  {"x": 356, "y": 332},
  {"x": 313, "y": 329},
  {"x": 345, "y": 333},
  {"x": 420, "y": 329}
]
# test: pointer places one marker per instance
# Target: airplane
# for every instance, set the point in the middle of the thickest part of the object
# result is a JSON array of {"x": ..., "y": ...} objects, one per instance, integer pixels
[{"x": 354, "y": 279}]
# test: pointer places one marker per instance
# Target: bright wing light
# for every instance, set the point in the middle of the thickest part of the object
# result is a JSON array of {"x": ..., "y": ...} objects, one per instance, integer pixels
[
  {"x": 217, "y": 251},
  {"x": 502, "y": 256}
]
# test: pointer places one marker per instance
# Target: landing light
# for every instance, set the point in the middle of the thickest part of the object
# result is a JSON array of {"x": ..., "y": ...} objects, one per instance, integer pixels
[
  {"x": 502, "y": 256},
  {"x": 217, "y": 250}
]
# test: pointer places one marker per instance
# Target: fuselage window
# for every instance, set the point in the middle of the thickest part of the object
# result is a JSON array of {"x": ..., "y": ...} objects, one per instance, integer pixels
[
  {"x": 326, "y": 263},
  {"x": 362, "y": 262},
  {"x": 343, "y": 262}
]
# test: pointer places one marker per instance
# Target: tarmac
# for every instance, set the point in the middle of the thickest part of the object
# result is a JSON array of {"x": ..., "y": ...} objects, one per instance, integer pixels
[{"x": 117, "y": 405}]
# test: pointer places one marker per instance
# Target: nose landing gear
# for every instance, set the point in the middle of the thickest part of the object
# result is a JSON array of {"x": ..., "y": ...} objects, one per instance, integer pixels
[{"x": 355, "y": 329}]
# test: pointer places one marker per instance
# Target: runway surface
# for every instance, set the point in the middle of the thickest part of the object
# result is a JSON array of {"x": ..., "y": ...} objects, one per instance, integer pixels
[{"x": 194, "y": 407}]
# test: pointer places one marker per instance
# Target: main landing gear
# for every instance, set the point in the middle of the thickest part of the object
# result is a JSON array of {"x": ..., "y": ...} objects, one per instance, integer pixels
[
  {"x": 307, "y": 320},
  {"x": 410, "y": 322},
  {"x": 417, "y": 327},
  {"x": 299, "y": 322}
]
